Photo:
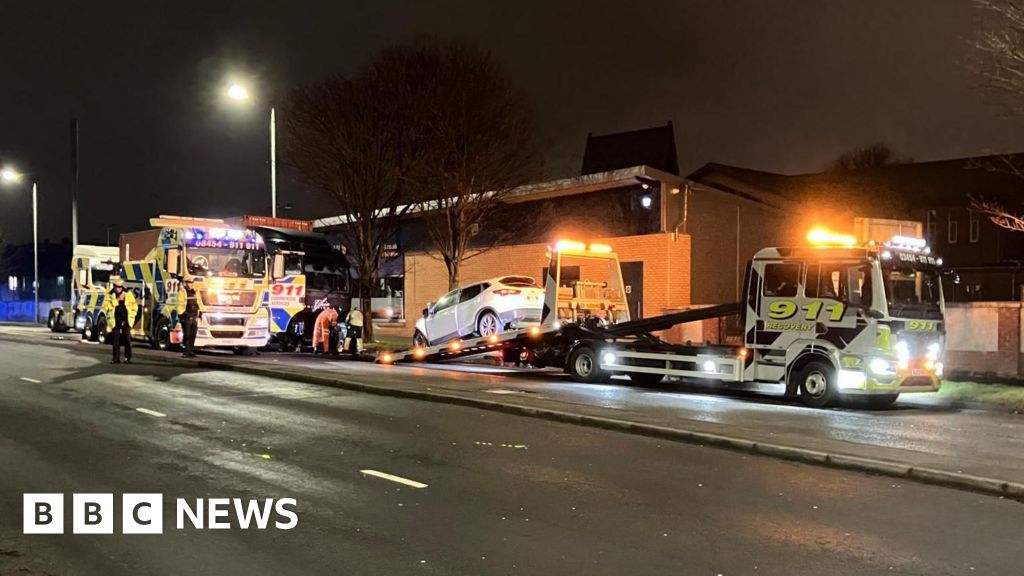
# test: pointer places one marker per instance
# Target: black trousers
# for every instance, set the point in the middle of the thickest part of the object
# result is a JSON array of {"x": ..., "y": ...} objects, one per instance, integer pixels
[
  {"x": 189, "y": 328},
  {"x": 122, "y": 334},
  {"x": 353, "y": 333}
]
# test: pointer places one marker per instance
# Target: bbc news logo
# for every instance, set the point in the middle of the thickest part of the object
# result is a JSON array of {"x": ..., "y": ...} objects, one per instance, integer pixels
[{"x": 144, "y": 513}]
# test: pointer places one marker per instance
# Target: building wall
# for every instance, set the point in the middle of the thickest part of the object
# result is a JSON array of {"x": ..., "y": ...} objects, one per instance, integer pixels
[
  {"x": 666, "y": 259},
  {"x": 984, "y": 338}
]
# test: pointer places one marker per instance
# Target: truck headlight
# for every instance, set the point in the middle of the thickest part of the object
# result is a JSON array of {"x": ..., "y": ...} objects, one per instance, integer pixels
[
  {"x": 902, "y": 350},
  {"x": 932, "y": 352},
  {"x": 882, "y": 367},
  {"x": 609, "y": 358},
  {"x": 261, "y": 322}
]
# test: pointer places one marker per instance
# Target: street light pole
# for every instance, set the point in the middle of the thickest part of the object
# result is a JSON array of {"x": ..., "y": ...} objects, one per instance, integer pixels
[
  {"x": 273, "y": 163},
  {"x": 35, "y": 252}
]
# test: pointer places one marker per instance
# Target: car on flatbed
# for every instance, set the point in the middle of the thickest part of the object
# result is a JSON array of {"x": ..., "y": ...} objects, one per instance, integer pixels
[{"x": 482, "y": 308}]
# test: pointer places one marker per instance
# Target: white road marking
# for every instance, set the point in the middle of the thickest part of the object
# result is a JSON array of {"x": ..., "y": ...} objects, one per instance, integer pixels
[
  {"x": 398, "y": 479},
  {"x": 151, "y": 412},
  {"x": 32, "y": 380}
]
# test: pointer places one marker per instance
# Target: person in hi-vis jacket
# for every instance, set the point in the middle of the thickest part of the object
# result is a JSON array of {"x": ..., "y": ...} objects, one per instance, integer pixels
[
  {"x": 188, "y": 312},
  {"x": 120, "y": 307},
  {"x": 325, "y": 324}
]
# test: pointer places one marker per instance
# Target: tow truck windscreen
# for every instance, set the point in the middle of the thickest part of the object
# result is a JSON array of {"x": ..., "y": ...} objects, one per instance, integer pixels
[
  {"x": 101, "y": 273},
  {"x": 912, "y": 289},
  {"x": 227, "y": 262}
]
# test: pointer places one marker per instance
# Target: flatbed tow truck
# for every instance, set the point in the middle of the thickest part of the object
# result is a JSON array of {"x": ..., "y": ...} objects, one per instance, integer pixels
[{"x": 829, "y": 319}]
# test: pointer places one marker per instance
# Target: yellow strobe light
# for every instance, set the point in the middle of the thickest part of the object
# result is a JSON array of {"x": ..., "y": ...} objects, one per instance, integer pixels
[{"x": 820, "y": 236}]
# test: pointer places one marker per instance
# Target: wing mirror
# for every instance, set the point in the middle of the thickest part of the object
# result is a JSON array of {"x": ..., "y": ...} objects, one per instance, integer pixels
[
  {"x": 278, "y": 268},
  {"x": 426, "y": 311}
]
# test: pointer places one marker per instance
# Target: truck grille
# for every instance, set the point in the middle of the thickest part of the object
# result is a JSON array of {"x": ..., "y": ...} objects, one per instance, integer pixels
[
  {"x": 227, "y": 333},
  {"x": 230, "y": 321},
  {"x": 228, "y": 298}
]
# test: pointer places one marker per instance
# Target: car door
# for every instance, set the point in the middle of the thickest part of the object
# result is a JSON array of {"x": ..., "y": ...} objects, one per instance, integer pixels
[
  {"x": 441, "y": 324},
  {"x": 469, "y": 305}
]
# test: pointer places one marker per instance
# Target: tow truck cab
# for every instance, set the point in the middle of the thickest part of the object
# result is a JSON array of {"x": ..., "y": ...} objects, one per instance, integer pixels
[{"x": 871, "y": 314}]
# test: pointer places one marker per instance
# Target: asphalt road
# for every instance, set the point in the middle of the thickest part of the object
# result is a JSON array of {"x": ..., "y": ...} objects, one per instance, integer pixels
[{"x": 504, "y": 494}]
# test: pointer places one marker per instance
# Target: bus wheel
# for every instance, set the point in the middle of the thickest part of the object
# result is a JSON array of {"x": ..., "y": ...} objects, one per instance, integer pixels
[
  {"x": 817, "y": 383},
  {"x": 583, "y": 365},
  {"x": 881, "y": 401}
]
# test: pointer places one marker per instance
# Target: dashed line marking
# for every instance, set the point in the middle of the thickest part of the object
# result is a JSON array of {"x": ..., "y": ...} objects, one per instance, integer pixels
[
  {"x": 153, "y": 413},
  {"x": 394, "y": 478},
  {"x": 32, "y": 380}
]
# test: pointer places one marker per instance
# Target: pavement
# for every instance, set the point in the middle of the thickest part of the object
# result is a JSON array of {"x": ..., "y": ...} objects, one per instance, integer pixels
[
  {"x": 504, "y": 494},
  {"x": 919, "y": 432}
]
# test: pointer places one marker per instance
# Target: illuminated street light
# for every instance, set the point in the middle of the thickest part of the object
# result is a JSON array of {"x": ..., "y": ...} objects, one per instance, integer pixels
[
  {"x": 239, "y": 93},
  {"x": 11, "y": 175}
]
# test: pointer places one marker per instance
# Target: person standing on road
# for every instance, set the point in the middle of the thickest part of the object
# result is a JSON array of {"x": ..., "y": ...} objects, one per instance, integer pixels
[
  {"x": 325, "y": 324},
  {"x": 354, "y": 339},
  {"x": 188, "y": 310},
  {"x": 121, "y": 306}
]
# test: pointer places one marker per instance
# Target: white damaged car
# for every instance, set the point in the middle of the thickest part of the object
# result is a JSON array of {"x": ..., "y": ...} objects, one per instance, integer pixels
[{"x": 482, "y": 309}]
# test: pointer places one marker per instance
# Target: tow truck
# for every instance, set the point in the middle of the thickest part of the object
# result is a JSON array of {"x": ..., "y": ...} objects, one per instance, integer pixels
[
  {"x": 825, "y": 320},
  {"x": 228, "y": 267},
  {"x": 91, "y": 268}
]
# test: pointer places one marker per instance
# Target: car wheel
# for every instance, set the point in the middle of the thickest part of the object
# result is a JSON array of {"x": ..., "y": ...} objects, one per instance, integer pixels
[
  {"x": 419, "y": 340},
  {"x": 583, "y": 365},
  {"x": 817, "y": 384},
  {"x": 488, "y": 324}
]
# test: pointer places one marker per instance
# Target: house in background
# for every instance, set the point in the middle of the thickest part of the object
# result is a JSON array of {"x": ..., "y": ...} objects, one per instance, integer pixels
[{"x": 986, "y": 257}]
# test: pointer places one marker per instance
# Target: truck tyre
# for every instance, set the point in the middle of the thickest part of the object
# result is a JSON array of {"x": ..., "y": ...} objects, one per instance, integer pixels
[
  {"x": 583, "y": 365},
  {"x": 645, "y": 378},
  {"x": 51, "y": 321},
  {"x": 162, "y": 335},
  {"x": 817, "y": 382},
  {"x": 99, "y": 331},
  {"x": 244, "y": 351},
  {"x": 882, "y": 401}
]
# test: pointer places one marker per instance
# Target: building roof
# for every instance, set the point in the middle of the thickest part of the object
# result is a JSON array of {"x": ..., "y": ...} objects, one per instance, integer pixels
[
  {"x": 886, "y": 191},
  {"x": 654, "y": 147}
]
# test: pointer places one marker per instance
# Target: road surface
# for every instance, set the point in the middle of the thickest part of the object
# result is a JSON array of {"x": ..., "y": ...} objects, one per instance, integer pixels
[{"x": 504, "y": 494}]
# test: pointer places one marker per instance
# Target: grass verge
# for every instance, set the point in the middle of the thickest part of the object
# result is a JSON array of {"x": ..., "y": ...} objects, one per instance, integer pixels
[{"x": 1009, "y": 396}]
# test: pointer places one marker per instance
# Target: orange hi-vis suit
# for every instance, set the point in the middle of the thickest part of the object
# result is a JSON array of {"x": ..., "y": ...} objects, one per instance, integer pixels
[{"x": 322, "y": 329}]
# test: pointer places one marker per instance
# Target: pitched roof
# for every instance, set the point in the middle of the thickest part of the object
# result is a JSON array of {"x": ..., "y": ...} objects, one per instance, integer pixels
[
  {"x": 886, "y": 191},
  {"x": 654, "y": 147}
]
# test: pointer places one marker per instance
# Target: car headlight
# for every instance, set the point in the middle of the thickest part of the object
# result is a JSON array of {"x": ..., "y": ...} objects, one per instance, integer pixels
[{"x": 882, "y": 367}]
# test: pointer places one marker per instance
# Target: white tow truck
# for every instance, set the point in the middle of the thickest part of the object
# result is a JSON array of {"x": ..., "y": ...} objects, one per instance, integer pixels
[{"x": 825, "y": 320}]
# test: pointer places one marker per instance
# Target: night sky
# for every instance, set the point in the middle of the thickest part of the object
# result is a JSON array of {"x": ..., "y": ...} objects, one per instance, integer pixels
[{"x": 776, "y": 85}]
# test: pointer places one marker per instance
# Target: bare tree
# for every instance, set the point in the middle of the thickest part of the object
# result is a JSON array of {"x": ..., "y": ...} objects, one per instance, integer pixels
[
  {"x": 870, "y": 156},
  {"x": 998, "y": 60},
  {"x": 474, "y": 136},
  {"x": 998, "y": 56},
  {"x": 346, "y": 138}
]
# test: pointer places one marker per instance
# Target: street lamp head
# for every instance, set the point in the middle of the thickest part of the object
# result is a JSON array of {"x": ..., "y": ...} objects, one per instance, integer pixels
[
  {"x": 238, "y": 93},
  {"x": 10, "y": 175}
]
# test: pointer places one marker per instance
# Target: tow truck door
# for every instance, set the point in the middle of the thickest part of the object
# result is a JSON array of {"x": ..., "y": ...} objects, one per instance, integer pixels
[{"x": 774, "y": 303}]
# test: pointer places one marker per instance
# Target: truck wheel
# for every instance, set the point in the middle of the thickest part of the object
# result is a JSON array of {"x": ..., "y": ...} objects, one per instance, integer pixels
[
  {"x": 817, "y": 384},
  {"x": 51, "y": 321},
  {"x": 162, "y": 337},
  {"x": 645, "y": 378},
  {"x": 881, "y": 401},
  {"x": 244, "y": 351},
  {"x": 583, "y": 365},
  {"x": 99, "y": 331}
]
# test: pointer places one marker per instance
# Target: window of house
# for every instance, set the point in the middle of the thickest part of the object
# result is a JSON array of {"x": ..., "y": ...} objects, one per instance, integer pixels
[
  {"x": 933, "y": 224},
  {"x": 781, "y": 280},
  {"x": 951, "y": 236},
  {"x": 975, "y": 231}
]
